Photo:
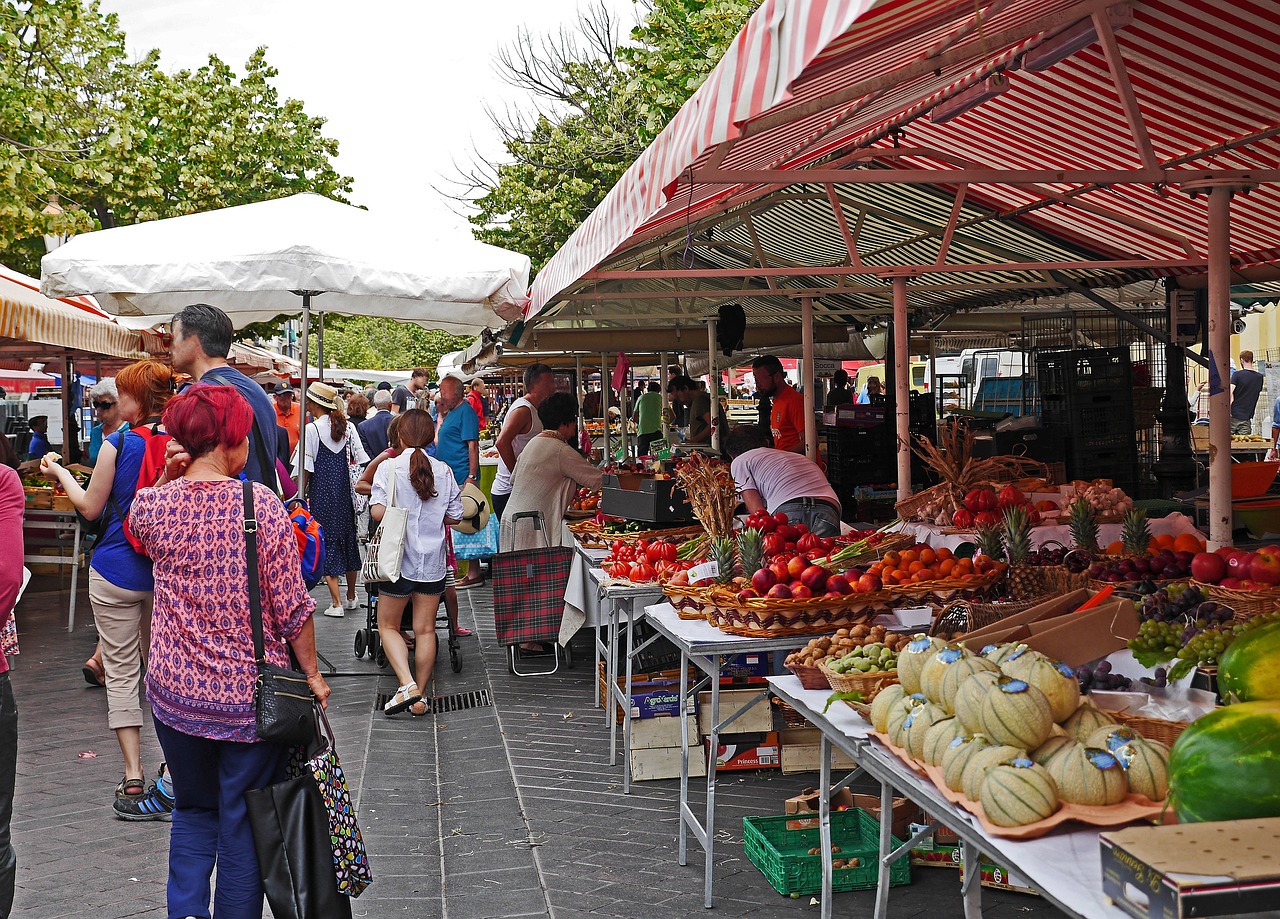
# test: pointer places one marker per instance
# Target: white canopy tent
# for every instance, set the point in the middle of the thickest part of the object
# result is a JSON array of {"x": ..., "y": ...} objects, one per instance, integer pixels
[{"x": 258, "y": 261}]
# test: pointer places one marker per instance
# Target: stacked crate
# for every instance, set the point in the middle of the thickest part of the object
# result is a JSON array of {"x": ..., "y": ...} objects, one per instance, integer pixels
[{"x": 1086, "y": 399}]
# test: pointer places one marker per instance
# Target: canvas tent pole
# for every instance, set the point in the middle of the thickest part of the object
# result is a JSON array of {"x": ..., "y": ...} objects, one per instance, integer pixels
[
  {"x": 302, "y": 416},
  {"x": 808, "y": 380},
  {"x": 320, "y": 347},
  {"x": 624, "y": 407},
  {"x": 1219, "y": 244},
  {"x": 662, "y": 383},
  {"x": 901, "y": 387},
  {"x": 711, "y": 385},
  {"x": 605, "y": 389}
]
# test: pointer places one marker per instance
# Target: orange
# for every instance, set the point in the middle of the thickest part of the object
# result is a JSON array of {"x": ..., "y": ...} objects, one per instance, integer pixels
[
  {"x": 891, "y": 559},
  {"x": 946, "y": 566},
  {"x": 928, "y": 556},
  {"x": 1167, "y": 541},
  {"x": 1115, "y": 548},
  {"x": 924, "y": 574},
  {"x": 964, "y": 566},
  {"x": 915, "y": 566},
  {"x": 909, "y": 556},
  {"x": 944, "y": 553},
  {"x": 1188, "y": 542}
]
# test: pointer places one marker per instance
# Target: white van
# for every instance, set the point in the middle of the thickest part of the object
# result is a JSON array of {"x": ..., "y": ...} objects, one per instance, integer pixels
[{"x": 960, "y": 376}]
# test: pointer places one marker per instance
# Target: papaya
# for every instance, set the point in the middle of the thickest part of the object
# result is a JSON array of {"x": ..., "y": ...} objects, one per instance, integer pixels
[
  {"x": 1226, "y": 765},
  {"x": 1250, "y": 667}
]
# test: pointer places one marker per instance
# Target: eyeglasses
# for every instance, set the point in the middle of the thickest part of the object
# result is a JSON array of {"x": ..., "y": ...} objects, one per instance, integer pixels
[{"x": 103, "y": 406}]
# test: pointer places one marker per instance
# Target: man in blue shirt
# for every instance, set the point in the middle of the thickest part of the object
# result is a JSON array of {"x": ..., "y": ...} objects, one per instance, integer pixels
[
  {"x": 201, "y": 342},
  {"x": 38, "y": 445},
  {"x": 458, "y": 446}
]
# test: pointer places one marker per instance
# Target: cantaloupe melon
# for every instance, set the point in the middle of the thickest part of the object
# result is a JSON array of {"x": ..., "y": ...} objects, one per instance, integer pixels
[
  {"x": 1058, "y": 683},
  {"x": 1016, "y": 713},
  {"x": 913, "y": 657},
  {"x": 942, "y": 675},
  {"x": 1085, "y": 720},
  {"x": 939, "y": 737},
  {"x": 917, "y": 725},
  {"x": 997, "y": 653},
  {"x": 1089, "y": 776},
  {"x": 1017, "y": 793},
  {"x": 976, "y": 769},
  {"x": 1020, "y": 661},
  {"x": 1053, "y": 747},
  {"x": 931, "y": 672},
  {"x": 883, "y": 703},
  {"x": 967, "y": 703},
  {"x": 1145, "y": 762},
  {"x": 957, "y": 756},
  {"x": 898, "y": 716}
]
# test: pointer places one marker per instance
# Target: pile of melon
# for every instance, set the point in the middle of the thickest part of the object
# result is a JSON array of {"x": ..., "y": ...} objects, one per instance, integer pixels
[{"x": 1007, "y": 728}]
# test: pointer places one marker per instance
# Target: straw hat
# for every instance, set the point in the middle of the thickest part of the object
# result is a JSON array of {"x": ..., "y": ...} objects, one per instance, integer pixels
[
  {"x": 475, "y": 510},
  {"x": 323, "y": 395}
]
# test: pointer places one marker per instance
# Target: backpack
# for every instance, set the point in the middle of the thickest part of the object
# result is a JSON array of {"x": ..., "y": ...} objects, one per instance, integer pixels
[
  {"x": 152, "y": 468},
  {"x": 310, "y": 541}
]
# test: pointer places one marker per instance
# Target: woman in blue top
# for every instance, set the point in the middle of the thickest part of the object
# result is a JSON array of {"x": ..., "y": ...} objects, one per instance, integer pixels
[{"x": 120, "y": 584}]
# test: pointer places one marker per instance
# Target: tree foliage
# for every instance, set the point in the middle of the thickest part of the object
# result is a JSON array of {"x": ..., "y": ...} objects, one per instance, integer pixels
[
  {"x": 382, "y": 344},
  {"x": 123, "y": 141},
  {"x": 597, "y": 103}
]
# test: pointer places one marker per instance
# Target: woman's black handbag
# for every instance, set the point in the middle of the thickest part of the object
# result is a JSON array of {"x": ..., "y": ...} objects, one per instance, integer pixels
[
  {"x": 282, "y": 698},
  {"x": 295, "y": 857}
]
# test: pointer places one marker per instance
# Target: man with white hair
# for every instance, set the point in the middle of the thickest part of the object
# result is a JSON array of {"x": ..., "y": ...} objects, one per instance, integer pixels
[
  {"x": 103, "y": 398},
  {"x": 373, "y": 430}
]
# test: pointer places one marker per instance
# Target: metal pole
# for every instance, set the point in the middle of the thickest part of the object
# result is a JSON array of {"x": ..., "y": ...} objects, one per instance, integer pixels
[
  {"x": 320, "y": 347},
  {"x": 626, "y": 413},
  {"x": 1219, "y": 241},
  {"x": 807, "y": 379},
  {"x": 605, "y": 389},
  {"x": 662, "y": 383},
  {"x": 579, "y": 391},
  {"x": 711, "y": 385},
  {"x": 302, "y": 416},
  {"x": 901, "y": 387}
]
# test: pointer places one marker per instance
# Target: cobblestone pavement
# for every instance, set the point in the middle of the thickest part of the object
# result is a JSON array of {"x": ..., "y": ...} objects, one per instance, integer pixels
[{"x": 501, "y": 810}]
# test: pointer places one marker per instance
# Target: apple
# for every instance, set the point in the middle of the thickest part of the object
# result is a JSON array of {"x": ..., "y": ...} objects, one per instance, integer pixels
[
  {"x": 779, "y": 592},
  {"x": 747, "y": 593},
  {"x": 1208, "y": 567},
  {"x": 868, "y": 583},
  {"x": 1230, "y": 583},
  {"x": 781, "y": 574},
  {"x": 763, "y": 579},
  {"x": 1265, "y": 567},
  {"x": 1239, "y": 564},
  {"x": 800, "y": 592},
  {"x": 839, "y": 584},
  {"x": 815, "y": 578},
  {"x": 796, "y": 566},
  {"x": 852, "y": 574}
]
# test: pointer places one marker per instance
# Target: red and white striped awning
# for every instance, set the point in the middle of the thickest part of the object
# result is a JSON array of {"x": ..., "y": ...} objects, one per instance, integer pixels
[{"x": 818, "y": 155}]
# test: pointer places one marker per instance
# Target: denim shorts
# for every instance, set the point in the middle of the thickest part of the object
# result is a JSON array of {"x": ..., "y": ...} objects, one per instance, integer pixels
[{"x": 406, "y": 587}]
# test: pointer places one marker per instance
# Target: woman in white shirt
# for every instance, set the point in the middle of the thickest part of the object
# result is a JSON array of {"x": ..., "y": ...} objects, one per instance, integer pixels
[{"x": 426, "y": 489}]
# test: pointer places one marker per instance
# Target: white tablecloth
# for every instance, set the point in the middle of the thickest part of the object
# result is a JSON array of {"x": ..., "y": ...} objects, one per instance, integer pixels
[{"x": 1173, "y": 525}]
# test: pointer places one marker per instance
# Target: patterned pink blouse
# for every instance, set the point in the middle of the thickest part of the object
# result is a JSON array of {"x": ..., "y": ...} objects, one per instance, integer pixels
[{"x": 201, "y": 672}]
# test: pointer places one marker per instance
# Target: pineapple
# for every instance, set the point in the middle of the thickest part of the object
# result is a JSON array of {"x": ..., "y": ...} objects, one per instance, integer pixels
[
  {"x": 1135, "y": 535},
  {"x": 1023, "y": 580},
  {"x": 990, "y": 543},
  {"x": 751, "y": 550},
  {"x": 722, "y": 552},
  {"x": 1084, "y": 528}
]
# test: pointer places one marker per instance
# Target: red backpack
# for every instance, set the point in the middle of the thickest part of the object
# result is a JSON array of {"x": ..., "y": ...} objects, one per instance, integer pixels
[{"x": 153, "y": 456}]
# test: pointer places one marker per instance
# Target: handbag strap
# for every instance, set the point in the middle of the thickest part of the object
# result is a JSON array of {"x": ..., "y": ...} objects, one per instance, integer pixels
[
  {"x": 251, "y": 572},
  {"x": 391, "y": 487}
]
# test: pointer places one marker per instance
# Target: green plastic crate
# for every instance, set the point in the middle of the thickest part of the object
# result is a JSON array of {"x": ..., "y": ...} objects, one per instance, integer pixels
[{"x": 782, "y": 854}]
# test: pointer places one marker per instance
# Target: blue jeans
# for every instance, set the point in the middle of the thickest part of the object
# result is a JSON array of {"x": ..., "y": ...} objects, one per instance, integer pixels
[
  {"x": 821, "y": 519},
  {"x": 211, "y": 822},
  {"x": 8, "y": 774}
]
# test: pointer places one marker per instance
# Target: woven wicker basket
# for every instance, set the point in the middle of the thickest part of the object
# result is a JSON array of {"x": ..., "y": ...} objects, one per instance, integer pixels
[
  {"x": 869, "y": 684},
  {"x": 1166, "y": 732},
  {"x": 1246, "y": 603},
  {"x": 688, "y": 602},
  {"x": 810, "y": 676},
  {"x": 909, "y": 508},
  {"x": 944, "y": 590},
  {"x": 791, "y": 719},
  {"x": 970, "y": 615},
  {"x": 763, "y": 617}
]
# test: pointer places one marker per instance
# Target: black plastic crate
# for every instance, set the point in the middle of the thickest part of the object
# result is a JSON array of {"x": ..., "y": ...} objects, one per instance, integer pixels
[
  {"x": 1083, "y": 371},
  {"x": 644, "y": 498}
]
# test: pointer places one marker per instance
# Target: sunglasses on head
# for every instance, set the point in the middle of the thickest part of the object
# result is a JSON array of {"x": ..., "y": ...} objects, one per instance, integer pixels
[{"x": 103, "y": 406}]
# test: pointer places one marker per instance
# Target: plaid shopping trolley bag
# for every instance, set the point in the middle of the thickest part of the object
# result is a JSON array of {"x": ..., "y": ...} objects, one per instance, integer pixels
[{"x": 528, "y": 595}]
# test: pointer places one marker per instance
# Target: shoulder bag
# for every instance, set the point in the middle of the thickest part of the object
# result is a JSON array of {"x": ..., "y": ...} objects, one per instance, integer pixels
[
  {"x": 386, "y": 549},
  {"x": 281, "y": 697}
]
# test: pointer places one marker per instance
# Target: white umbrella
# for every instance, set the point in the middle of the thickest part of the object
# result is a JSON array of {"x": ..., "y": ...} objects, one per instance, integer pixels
[{"x": 258, "y": 261}]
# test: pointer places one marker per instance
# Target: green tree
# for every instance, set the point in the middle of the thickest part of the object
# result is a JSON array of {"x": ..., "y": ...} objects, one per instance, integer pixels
[
  {"x": 597, "y": 103},
  {"x": 368, "y": 343},
  {"x": 122, "y": 142}
]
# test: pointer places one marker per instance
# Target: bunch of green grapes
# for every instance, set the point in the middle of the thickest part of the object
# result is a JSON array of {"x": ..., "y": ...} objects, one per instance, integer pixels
[
  {"x": 1206, "y": 648},
  {"x": 1159, "y": 636}
]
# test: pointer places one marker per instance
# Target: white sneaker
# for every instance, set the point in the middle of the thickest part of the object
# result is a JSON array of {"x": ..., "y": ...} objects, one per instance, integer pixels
[
  {"x": 350, "y": 604},
  {"x": 337, "y": 612}
]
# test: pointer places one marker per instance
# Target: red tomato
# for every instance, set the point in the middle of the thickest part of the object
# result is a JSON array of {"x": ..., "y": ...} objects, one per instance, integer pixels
[
  {"x": 616, "y": 548},
  {"x": 641, "y": 573},
  {"x": 774, "y": 544},
  {"x": 780, "y": 518},
  {"x": 669, "y": 551},
  {"x": 653, "y": 552}
]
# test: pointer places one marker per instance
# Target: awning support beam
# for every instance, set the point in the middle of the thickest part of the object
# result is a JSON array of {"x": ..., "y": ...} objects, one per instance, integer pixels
[{"x": 1146, "y": 176}]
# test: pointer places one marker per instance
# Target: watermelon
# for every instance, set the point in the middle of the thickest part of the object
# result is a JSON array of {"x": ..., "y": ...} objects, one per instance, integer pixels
[
  {"x": 1226, "y": 765},
  {"x": 1250, "y": 667}
]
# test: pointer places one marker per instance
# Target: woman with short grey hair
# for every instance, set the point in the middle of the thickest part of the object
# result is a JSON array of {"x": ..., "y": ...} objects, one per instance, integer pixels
[{"x": 103, "y": 397}]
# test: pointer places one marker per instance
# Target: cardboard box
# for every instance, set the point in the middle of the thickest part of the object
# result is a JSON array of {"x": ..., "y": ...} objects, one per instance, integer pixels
[
  {"x": 1058, "y": 606},
  {"x": 1194, "y": 869},
  {"x": 757, "y": 720},
  {"x": 652, "y": 694},
  {"x": 732, "y": 757},
  {"x": 654, "y": 733},
  {"x": 806, "y": 803},
  {"x": 751, "y": 668},
  {"x": 664, "y": 762},
  {"x": 939, "y": 850},
  {"x": 1074, "y": 638},
  {"x": 800, "y": 748},
  {"x": 1000, "y": 878}
]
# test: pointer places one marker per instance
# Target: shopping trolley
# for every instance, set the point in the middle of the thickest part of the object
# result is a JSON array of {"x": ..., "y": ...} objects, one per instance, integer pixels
[{"x": 528, "y": 595}]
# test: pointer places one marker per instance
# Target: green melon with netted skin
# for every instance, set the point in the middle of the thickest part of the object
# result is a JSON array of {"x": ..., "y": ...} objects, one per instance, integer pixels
[
  {"x": 1145, "y": 762},
  {"x": 1016, "y": 713},
  {"x": 1085, "y": 720},
  {"x": 1017, "y": 793},
  {"x": 913, "y": 657},
  {"x": 982, "y": 761},
  {"x": 1089, "y": 776},
  {"x": 939, "y": 737},
  {"x": 968, "y": 699},
  {"x": 917, "y": 726},
  {"x": 883, "y": 704}
]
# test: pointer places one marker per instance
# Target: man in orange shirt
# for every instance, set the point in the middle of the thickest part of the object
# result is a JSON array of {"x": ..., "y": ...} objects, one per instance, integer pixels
[
  {"x": 288, "y": 415},
  {"x": 786, "y": 418}
]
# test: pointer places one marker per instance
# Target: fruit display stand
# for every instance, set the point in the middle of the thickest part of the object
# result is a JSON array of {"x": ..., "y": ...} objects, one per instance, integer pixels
[
  {"x": 1173, "y": 525},
  {"x": 57, "y": 530},
  {"x": 706, "y": 647},
  {"x": 1065, "y": 866}
]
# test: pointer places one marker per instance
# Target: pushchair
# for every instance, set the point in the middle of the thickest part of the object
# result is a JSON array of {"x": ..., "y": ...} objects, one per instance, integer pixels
[
  {"x": 528, "y": 596},
  {"x": 368, "y": 642}
]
